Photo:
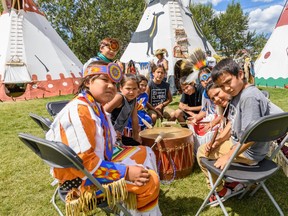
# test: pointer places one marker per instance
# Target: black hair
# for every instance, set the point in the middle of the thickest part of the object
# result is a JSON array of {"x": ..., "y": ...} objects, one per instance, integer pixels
[
  {"x": 128, "y": 77},
  {"x": 141, "y": 77},
  {"x": 210, "y": 85},
  {"x": 158, "y": 66},
  {"x": 227, "y": 65}
]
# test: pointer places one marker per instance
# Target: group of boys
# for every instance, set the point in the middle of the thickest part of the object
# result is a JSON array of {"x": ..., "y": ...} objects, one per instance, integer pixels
[{"x": 247, "y": 105}]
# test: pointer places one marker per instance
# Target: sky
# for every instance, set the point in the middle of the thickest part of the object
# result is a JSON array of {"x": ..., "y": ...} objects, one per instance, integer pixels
[{"x": 263, "y": 14}]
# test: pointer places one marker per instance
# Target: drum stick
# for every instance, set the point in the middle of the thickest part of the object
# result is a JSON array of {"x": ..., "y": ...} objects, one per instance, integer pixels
[
  {"x": 158, "y": 139},
  {"x": 211, "y": 142},
  {"x": 173, "y": 123},
  {"x": 149, "y": 126}
]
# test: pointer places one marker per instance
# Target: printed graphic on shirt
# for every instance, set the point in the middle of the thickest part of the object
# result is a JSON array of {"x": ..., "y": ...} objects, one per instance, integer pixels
[
  {"x": 231, "y": 117},
  {"x": 158, "y": 96}
]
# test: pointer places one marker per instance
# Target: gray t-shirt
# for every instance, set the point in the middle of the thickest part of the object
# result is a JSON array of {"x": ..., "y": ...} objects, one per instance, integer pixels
[{"x": 249, "y": 105}]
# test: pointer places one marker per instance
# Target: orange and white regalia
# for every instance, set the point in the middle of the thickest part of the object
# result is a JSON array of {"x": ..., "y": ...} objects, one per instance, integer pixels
[{"x": 86, "y": 128}]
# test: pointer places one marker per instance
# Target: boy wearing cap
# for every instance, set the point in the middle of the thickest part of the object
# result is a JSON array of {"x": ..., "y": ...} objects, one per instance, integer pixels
[{"x": 162, "y": 61}]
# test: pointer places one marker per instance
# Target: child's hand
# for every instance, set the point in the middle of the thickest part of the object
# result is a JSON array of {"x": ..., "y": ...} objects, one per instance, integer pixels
[
  {"x": 192, "y": 120},
  {"x": 137, "y": 138},
  {"x": 207, "y": 127},
  {"x": 118, "y": 135},
  {"x": 138, "y": 175},
  {"x": 222, "y": 161},
  {"x": 209, "y": 148},
  {"x": 159, "y": 107},
  {"x": 191, "y": 114},
  {"x": 159, "y": 114}
]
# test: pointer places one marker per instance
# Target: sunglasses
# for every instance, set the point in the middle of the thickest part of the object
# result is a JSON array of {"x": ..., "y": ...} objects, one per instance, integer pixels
[
  {"x": 205, "y": 77},
  {"x": 113, "y": 45}
]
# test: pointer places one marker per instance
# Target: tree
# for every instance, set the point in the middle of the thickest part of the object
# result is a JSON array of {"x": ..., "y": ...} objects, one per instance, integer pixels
[
  {"x": 227, "y": 32},
  {"x": 204, "y": 14},
  {"x": 259, "y": 43},
  {"x": 232, "y": 29},
  {"x": 83, "y": 24}
]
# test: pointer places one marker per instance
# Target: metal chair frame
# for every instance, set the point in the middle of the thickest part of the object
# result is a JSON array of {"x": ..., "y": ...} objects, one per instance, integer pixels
[
  {"x": 57, "y": 154},
  {"x": 265, "y": 129}
]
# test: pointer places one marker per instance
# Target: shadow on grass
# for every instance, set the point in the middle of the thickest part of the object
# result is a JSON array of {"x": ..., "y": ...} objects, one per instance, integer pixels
[
  {"x": 185, "y": 196},
  {"x": 179, "y": 205}
]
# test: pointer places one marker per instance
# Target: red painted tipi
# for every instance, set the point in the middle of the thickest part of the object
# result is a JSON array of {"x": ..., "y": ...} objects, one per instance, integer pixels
[{"x": 34, "y": 61}]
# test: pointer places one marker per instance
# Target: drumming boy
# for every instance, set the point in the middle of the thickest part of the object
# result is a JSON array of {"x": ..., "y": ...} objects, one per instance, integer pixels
[
  {"x": 247, "y": 105},
  {"x": 190, "y": 102}
]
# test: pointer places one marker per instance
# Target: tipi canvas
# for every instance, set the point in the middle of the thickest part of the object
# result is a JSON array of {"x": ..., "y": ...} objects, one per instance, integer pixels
[
  {"x": 166, "y": 24},
  {"x": 34, "y": 61},
  {"x": 271, "y": 67}
]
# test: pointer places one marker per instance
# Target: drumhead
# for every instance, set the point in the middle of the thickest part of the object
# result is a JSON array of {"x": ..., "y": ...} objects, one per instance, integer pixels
[{"x": 169, "y": 133}]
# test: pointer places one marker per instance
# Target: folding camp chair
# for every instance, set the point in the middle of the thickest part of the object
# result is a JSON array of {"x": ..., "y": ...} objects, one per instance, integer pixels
[
  {"x": 44, "y": 123},
  {"x": 58, "y": 154},
  {"x": 268, "y": 128},
  {"x": 55, "y": 107}
]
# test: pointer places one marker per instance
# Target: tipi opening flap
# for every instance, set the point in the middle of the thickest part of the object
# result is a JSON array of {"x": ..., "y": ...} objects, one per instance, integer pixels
[{"x": 16, "y": 74}]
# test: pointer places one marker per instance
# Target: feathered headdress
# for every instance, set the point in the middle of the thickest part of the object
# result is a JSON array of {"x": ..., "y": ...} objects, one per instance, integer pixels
[
  {"x": 198, "y": 59},
  {"x": 192, "y": 65}
]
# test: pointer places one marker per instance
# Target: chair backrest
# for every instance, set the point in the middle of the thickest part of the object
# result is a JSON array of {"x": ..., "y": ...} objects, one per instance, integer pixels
[
  {"x": 266, "y": 93},
  {"x": 53, "y": 153},
  {"x": 44, "y": 123},
  {"x": 60, "y": 155},
  {"x": 55, "y": 107},
  {"x": 267, "y": 128}
]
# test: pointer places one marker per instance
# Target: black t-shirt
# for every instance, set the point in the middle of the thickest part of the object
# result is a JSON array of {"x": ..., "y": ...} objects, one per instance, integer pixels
[
  {"x": 158, "y": 93},
  {"x": 195, "y": 99}
]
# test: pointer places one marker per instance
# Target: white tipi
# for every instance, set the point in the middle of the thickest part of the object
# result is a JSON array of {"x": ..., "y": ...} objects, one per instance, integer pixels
[
  {"x": 166, "y": 24},
  {"x": 271, "y": 67},
  {"x": 34, "y": 60}
]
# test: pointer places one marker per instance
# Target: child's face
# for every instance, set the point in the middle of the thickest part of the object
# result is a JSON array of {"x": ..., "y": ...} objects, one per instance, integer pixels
[
  {"x": 102, "y": 89},
  {"x": 159, "y": 56},
  {"x": 130, "y": 89},
  {"x": 219, "y": 97},
  {"x": 231, "y": 84},
  {"x": 204, "y": 78},
  {"x": 188, "y": 89},
  {"x": 143, "y": 86},
  {"x": 107, "y": 52},
  {"x": 159, "y": 75}
]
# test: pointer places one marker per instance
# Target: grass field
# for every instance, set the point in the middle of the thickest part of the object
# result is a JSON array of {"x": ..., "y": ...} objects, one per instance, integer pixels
[{"x": 25, "y": 180}]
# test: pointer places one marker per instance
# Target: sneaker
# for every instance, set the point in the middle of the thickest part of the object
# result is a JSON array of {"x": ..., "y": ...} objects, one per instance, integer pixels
[
  {"x": 234, "y": 186},
  {"x": 223, "y": 194}
]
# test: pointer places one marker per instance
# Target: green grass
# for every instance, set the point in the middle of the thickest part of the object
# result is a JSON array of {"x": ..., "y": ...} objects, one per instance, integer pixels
[{"x": 25, "y": 180}]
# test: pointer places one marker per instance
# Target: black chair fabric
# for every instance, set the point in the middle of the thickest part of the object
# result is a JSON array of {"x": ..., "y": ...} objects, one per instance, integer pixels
[
  {"x": 43, "y": 123},
  {"x": 55, "y": 107},
  {"x": 58, "y": 154}
]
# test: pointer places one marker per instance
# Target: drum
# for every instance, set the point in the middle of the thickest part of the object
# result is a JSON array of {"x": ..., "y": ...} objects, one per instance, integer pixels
[{"x": 174, "y": 154}]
